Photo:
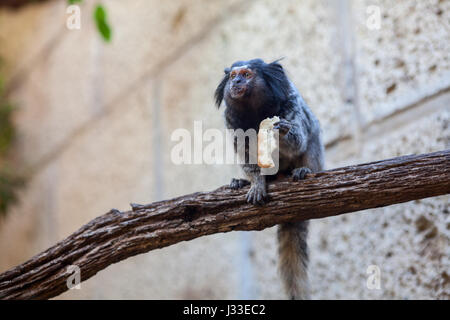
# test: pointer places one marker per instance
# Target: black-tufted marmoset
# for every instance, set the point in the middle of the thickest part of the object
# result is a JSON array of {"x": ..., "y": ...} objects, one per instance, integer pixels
[{"x": 253, "y": 91}]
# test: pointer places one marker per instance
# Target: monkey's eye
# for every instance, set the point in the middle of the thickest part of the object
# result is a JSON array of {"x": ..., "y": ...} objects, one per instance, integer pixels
[
  {"x": 247, "y": 75},
  {"x": 233, "y": 75}
]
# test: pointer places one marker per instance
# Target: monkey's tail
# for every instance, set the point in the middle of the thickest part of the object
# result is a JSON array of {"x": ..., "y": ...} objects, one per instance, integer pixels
[{"x": 293, "y": 258}]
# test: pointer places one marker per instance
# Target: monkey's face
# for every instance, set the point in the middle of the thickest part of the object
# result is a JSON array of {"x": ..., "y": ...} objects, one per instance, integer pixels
[
  {"x": 240, "y": 82},
  {"x": 253, "y": 84}
]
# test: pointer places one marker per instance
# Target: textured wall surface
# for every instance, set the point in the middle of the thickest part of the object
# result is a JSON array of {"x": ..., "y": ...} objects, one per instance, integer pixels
[{"x": 95, "y": 122}]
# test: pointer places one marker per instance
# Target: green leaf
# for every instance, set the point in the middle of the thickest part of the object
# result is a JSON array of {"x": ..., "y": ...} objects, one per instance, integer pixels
[
  {"x": 7, "y": 131},
  {"x": 74, "y": 1},
  {"x": 9, "y": 185},
  {"x": 102, "y": 23}
]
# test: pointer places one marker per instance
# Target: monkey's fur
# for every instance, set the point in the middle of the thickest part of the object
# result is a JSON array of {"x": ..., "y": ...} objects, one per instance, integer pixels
[{"x": 254, "y": 90}]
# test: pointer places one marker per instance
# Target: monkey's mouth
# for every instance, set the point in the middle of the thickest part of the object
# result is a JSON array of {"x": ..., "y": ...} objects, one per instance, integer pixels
[{"x": 237, "y": 92}]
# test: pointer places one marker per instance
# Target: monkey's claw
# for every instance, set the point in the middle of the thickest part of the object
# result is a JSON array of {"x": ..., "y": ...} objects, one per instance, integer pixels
[
  {"x": 236, "y": 184},
  {"x": 300, "y": 173},
  {"x": 256, "y": 195},
  {"x": 283, "y": 126}
]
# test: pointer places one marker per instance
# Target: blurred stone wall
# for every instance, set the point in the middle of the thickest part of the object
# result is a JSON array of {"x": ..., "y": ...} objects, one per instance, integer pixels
[{"x": 95, "y": 121}]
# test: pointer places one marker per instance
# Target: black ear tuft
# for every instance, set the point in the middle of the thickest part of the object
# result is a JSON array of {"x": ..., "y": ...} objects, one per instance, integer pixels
[
  {"x": 218, "y": 95},
  {"x": 273, "y": 74},
  {"x": 227, "y": 70}
]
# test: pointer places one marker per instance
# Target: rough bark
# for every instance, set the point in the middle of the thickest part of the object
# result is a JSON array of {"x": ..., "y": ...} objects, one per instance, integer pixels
[{"x": 116, "y": 235}]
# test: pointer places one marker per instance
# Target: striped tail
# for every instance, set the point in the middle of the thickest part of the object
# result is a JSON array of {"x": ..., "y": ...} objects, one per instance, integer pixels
[{"x": 293, "y": 258}]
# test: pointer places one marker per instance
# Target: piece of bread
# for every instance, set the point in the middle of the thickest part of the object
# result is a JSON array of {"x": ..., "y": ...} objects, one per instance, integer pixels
[{"x": 267, "y": 142}]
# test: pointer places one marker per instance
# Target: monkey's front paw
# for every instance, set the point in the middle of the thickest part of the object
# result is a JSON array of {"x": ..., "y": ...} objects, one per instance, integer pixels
[
  {"x": 238, "y": 183},
  {"x": 257, "y": 194},
  {"x": 283, "y": 126},
  {"x": 300, "y": 173}
]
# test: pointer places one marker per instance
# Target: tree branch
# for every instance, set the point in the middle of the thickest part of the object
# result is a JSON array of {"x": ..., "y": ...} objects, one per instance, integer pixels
[{"x": 116, "y": 235}]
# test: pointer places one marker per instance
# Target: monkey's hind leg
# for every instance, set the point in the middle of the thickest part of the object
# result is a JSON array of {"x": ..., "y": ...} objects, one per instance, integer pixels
[{"x": 238, "y": 183}]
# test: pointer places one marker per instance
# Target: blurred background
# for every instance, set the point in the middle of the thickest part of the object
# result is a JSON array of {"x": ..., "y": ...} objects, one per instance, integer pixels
[{"x": 87, "y": 114}]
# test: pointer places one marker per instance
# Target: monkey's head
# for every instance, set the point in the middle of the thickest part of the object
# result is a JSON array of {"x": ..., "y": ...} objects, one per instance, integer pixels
[{"x": 247, "y": 82}]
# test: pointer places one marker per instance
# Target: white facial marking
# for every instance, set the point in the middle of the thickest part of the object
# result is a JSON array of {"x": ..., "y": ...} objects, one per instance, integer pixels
[{"x": 240, "y": 67}]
